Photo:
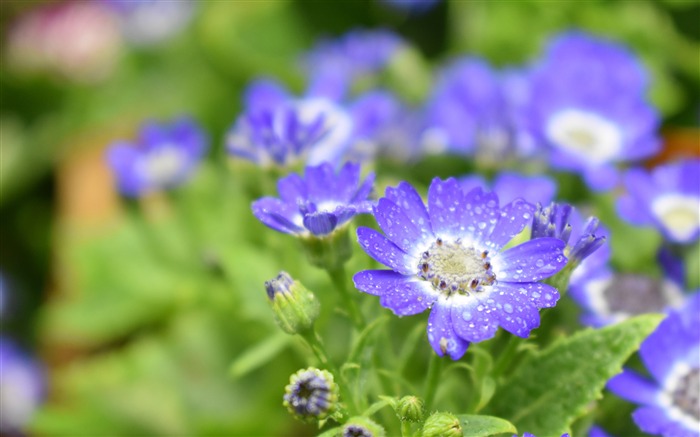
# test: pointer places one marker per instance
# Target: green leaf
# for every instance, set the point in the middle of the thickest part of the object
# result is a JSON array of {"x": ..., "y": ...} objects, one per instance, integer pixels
[
  {"x": 259, "y": 354},
  {"x": 363, "y": 339},
  {"x": 483, "y": 426},
  {"x": 552, "y": 388}
]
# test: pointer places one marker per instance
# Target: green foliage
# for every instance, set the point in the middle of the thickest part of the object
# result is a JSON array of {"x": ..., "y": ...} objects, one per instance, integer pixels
[
  {"x": 484, "y": 426},
  {"x": 551, "y": 389}
]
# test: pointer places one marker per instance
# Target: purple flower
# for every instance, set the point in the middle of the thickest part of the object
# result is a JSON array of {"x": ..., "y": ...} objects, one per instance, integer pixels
[
  {"x": 510, "y": 186},
  {"x": 587, "y": 106},
  {"x": 163, "y": 156},
  {"x": 469, "y": 109},
  {"x": 608, "y": 297},
  {"x": 671, "y": 354},
  {"x": 333, "y": 64},
  {"x": 527, "y": 434},
  {"x": 560, "y": 220},
  {"x": 21, "y": 387},
  {"x": 317, "y": 204},
  {"x": 597, "y": 431},
  {"x": 147, "y": 22},
  {"x": 447, "y": 258},
  {"x": 668, "y": 198},
  {"x": 281, "y": 130}
]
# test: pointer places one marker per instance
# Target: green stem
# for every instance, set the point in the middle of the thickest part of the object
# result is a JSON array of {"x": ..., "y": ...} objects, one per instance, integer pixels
[
  {"x": 406, "y": 429},
  {"x": 338, "y": 277},
  {"x": 434, "y": 368},
  {"x": 313, "y": 340},
  {"x": 506, "y": 356}
]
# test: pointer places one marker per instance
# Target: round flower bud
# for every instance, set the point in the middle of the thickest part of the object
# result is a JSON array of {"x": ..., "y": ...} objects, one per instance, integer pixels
[
  {"x": 294, "y": 307},
  {"x": 311, "y": 395},
  {"x": 442, "y": 425},
  {"x": 410, "y": 409},
  {"x": 362, "y": 427}
]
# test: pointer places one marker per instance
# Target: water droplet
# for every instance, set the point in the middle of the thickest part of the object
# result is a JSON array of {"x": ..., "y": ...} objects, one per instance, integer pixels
[
  {"x": 480, "y": 308},
  {"x": 508, "y": 308},
  {"x": 467, "y": 316},
  {"x": 539, "y": 263}
]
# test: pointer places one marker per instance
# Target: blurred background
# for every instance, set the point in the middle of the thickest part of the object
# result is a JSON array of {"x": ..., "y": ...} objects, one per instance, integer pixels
[{"x": 121, "y": 341}]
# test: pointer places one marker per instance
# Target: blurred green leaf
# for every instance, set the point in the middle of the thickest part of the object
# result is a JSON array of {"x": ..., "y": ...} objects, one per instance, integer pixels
[{"x": 259, "y": 354}]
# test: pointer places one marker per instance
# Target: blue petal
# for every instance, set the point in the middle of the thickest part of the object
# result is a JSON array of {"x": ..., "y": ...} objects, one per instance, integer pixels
[
  {"x": 347, "y": 180},
  {"x": 397, "y": 226},
  {"x": 483, "y": 214},
  {"x": 277, "y": 215},
  {"x": 292, "y": 189},
  {"x": 629, "y": 385},
  {"x": 320, "y": 223},
  {"x": 668, "y": 344},
  {"x": 441, "y": 335},
  {"x": 386, "y": 252},
  {"x": 409, "y": 298},
  {"x": 446, "y": 205},
  {"x": 514, "y": 217},
  {"x": 530, "y": 261},
  {"x": 474, "y": 319},
  {"x": 408, "y": 199},
  {"x": 377, "y": 282},
  {"x": 656, "y": 421},
  {"x": 320, "y": 182},
  {"x": 518, "y": 308}
]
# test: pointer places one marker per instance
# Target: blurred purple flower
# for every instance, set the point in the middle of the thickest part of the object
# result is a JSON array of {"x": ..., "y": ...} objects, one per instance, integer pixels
[
  {"x": 333, "y": 64},
  {"x": 668, "y": 198},
  {"x": 148, "y": 22},
  {"x": 668, "y": 402},
  {"x": 163, "y": 156},
  {"x": 317, "y": 204},
  {"x": 447, "y": 258},
  {"x": 22, "y": 387},
  {"x": 587, "y": 106}
]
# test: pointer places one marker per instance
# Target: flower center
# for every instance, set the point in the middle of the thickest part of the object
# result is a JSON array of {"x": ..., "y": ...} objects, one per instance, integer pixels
[
  {"x": 585, "y": 134},
  {"x": 636, "y": 294},
  {"x": 679, "y": 214},
  {"x": 454, "y": 268},
  {"x": 162, "y": 165},
  {"x": 684, "y": 393}
]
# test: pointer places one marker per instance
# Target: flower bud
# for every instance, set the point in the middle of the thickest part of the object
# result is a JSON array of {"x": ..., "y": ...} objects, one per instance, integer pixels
[
  {"x": 294, "y": 307},
  {"x": 362, "y": 427},
  {"x": 442, "y": 425},
  {"x": 312, "y": 395},
  {"x": 410, "y": 409}
]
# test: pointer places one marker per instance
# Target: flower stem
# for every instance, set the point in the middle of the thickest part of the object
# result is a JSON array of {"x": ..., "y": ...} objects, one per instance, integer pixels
[
  {"x": 506, "y": 356},
  {"x": 338, "y": 277},
  {"x": 406, "y": 429},
  {"x": 434, "y": 368},
  {"x": 313, "y": 340}
]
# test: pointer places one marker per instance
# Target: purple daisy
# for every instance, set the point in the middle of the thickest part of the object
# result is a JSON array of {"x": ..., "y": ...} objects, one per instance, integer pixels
[
  {"x": 278, "y": 129},
  {"x": 608, "y": 297},
  {"x": 318, "y": 203},
  {"x": 447, "y": 258},
  {"x": 468, "y": 109},
  {"x": 671, "y": 354},
  {"x": 573, "y": 114},
  {"x": 668, "y": 198},
  {"x": 333, "y": 64},
  {"x": 163, "y": 156}
]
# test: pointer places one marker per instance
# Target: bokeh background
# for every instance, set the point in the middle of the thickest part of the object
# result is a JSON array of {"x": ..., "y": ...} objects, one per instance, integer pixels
[{"x": 141, "y": 346}]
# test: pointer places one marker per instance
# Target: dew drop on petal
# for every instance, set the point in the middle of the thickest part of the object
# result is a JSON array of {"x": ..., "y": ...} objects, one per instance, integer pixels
[{"x": 508, "y": 308}]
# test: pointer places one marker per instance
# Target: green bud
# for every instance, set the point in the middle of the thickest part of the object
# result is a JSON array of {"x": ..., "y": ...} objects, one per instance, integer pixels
[
  {"x": 294, "y": 307},
  {"x": 312, "y": 395},
  {"x": 362, "y": 427},
  {"x": 329, "y": 252},
  {"x": 442, "y": 425},
  {"x": 410, "y": 409}
]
